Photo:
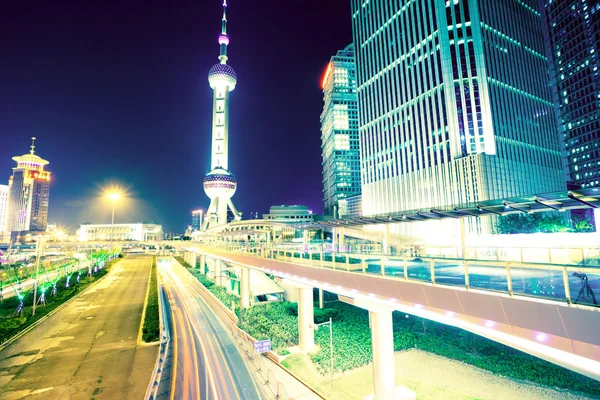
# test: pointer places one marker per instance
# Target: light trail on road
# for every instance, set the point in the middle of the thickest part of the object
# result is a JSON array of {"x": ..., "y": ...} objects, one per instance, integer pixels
[{"x": 206, "y": 362}]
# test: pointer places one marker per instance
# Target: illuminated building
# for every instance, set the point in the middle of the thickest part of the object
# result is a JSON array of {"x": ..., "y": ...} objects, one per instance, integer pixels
[
  {"x": 143, "y": 232},
  {"x": 454, "y": 103},
  {"x": 28, "y": 193},
  {"x": 3, "y": 209},
  {"x": 196, "y": 220},
  {"x": 285, "y": 213},
  {"x": 351, "y": 206},
  {"x": 573, "y": 40},
  {"x": 339, "y": 132},
  {"x": 219, "y": 183}
]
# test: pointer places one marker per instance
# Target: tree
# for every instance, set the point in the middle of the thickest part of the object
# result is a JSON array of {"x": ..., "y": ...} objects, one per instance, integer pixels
[
  {"x": 583, "y": 225},
  {"x": 531, "y": 223}
]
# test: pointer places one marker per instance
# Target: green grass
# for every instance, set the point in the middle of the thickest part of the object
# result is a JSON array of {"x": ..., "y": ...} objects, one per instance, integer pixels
[
  {"x": 10, "y": 324},
  {"x": 151, "y": 328}
]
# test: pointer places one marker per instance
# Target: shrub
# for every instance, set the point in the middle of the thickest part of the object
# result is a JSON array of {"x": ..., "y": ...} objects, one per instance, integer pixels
[{"x": 151, "y": 328}]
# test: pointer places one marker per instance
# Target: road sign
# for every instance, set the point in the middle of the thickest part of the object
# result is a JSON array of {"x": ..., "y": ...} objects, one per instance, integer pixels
[{"x": 262, "y": 346}]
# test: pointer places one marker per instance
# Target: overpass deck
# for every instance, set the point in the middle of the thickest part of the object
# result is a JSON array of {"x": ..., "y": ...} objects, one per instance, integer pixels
[{"x": 499, "y": 301}]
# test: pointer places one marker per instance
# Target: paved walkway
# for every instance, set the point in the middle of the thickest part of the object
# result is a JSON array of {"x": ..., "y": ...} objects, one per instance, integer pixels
[{"x": 87, "y": 350}]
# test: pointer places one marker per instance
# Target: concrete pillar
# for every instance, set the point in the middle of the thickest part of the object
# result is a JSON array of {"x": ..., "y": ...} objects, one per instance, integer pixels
[
  {"x": 305, "y": 240},
  {"x": 463, "y": 247},
  {"x": 202, "y": 263},
  {"x": 217, "y": 272},
  {"x": 334, "y": 240},
  {"x": 341, "y": 240},
  {"x": 597, "y": 222},
  {"x": 306, "y": 333},
  {"x": 386, "y": 239},
  {"x": 321, "y": 298},
  {"x": 382, "y": 336},
  {"x": 245, "y": 288}
]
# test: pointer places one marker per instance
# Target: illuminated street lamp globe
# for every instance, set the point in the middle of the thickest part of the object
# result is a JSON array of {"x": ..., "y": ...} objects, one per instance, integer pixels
[
  {"x": 222, "y": 75},
  {"x": 220, "y": 183}
]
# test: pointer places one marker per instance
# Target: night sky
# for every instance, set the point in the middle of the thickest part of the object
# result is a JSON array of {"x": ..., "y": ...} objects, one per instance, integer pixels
[{"x": 116, "y": 92}]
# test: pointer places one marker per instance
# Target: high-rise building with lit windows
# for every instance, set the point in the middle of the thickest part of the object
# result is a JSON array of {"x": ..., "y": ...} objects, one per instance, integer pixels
[
  {"x": 28, "y": 194},
  {"x": 339, "y": 132},
  {"x": 454, "y": 103},
  {"x": 572, "y": 29}
]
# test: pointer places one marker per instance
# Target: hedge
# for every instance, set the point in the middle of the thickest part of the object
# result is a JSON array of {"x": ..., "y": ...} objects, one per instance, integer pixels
[{"x": 151, "y": 328}]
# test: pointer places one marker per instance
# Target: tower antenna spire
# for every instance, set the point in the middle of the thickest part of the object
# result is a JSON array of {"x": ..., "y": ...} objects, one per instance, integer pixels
[
  {"x": 224, "y": 21},
  {"x": 32, "y": 151},
  {"x": 223, "y": 38}
]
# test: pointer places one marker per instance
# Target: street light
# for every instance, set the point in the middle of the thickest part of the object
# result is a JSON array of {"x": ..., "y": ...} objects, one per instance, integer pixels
[
  {"x": 330, "y": 323},
  {"x": 114, "y": 197},
  {"x": 38, "y": 250}
]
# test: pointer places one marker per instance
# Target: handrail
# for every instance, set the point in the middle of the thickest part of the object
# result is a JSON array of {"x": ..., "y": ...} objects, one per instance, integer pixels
[
  {"x": 341, "y": 262},
  {"x": 152, "y": 389}
]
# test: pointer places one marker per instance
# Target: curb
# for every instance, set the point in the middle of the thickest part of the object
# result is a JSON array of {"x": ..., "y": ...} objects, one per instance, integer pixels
[{"x": 20, "y": 334}]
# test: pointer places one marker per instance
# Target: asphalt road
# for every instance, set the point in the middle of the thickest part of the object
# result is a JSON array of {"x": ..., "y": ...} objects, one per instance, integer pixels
[
  {"x": 87, "y": 350},
  {"x": 206, "y": 362}
]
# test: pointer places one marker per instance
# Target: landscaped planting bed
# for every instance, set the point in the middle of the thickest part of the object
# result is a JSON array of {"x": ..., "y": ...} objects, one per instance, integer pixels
[
  {"x": 151, "y": 329},
  {"x": 11, "y": 323}
]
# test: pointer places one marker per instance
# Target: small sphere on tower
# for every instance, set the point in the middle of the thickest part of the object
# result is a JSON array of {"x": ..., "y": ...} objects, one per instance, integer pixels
[{"x": 224, "y": 39}]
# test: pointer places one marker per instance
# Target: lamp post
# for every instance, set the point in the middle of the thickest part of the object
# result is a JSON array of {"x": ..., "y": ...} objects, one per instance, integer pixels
[
  {"x": 113, "y": 197},
  {"x": 330, "y": 323},
  {"x": 38, "y": 251}
]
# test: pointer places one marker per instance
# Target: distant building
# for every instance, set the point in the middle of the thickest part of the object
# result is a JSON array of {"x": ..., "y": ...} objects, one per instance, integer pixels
[
  {"x": 289, "y": 214},
  {"x": 572, "y": 29},
  {"x": 196, "y": 220},
  {"x": 339, "y": 131},
  {"x": 144, "y": 231},
  {"x": 28, "y": 194},
  {"x": 3, "y": 209},
  {"x": 454, "y": 104}
]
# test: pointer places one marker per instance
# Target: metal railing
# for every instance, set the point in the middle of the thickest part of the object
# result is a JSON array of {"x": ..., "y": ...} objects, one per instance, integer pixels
[
  {"x": 560, "y": 282},
  {"x": 154, "y": 385},
  {"x": 257, "y": 362}
]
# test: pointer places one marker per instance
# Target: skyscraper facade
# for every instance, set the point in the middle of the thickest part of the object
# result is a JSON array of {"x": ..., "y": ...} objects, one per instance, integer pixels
[
  {"x": 196, "y": 220},
  {"x": 572, "y": 30},
  {"x": 454, "y": 103},
  {"x": 28, "y": 194},
  {"x": 339, "y": 132},
  {"x": 220, "y": 184}
]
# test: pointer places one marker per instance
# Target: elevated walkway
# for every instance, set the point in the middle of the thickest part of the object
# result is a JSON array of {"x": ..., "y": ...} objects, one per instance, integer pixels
[{"x": 479, "y": 297}]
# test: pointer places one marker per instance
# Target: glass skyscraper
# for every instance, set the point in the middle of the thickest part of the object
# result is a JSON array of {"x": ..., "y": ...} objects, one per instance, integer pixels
[
  {"x": 339, "y": 132},
  {"x": 454, "y": 103},
  {"x": 573, "y": 42}
]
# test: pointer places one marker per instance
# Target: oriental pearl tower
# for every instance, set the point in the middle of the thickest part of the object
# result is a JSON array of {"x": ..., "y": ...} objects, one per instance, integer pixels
[{"x": 219, "y": 183}]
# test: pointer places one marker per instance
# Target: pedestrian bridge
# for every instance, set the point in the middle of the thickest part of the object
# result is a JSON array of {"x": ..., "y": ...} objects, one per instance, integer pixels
[{"x": 545, "y": 310}]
